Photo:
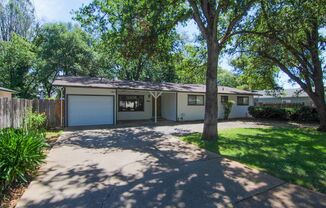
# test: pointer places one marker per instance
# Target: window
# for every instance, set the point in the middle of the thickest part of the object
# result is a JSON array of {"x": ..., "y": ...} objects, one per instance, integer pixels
[
  {"x": 224, "y": 99},
  {"x": 131, "y": 103},
  {"x": 195, "y": 99},
  {"x": 243, "y": 100}
]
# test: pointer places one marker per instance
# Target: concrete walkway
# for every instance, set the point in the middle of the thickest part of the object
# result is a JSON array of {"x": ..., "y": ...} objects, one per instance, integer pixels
[{"x": 149, "y": 167}]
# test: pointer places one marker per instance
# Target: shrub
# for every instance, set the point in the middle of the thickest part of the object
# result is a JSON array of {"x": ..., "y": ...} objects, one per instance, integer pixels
[
  {"x": 305, "y": 114},
  {"x": 227, "y": 109},
  {"x": 21, "y": 150},
  {"x": 35, "y": 122},
  {"x": 269, "y": 112}
]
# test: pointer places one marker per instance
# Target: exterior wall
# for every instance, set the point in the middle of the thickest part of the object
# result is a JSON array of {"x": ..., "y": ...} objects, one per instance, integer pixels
[
  {"x": 240, "y": 111},
  {"x": 275, "y": 100},
  {"x": 5, "y": 94},
  {"x": 140, "y": 115},
  {"x": 168, "y": 106},
  {"x": 189, "y": 112},
  {"x": 174, "y": 105},
  {"x": 237, "y": 111}
]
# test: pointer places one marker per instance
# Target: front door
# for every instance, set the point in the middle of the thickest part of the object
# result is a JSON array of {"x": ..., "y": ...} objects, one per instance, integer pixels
[{"x": 159, "y": 113}]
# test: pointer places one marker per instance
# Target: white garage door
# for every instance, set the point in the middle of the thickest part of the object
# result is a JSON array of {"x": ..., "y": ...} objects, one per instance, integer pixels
[{"x": 90, "y": 110}]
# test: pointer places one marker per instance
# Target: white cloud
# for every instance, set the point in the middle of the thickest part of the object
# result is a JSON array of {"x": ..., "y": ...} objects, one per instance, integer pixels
[{"x": 57, "y": 10}]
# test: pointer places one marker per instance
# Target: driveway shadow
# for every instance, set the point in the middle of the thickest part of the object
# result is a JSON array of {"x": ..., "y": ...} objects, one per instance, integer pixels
[{"x": 140, "y": 167}]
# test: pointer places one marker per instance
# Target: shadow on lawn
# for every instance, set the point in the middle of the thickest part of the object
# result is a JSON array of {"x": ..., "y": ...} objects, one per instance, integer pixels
[{"x": 295, "y": 155}]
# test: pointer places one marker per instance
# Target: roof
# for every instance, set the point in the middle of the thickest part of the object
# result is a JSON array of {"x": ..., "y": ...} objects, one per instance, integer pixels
[
  {"x": 296, "y": 92},
  {"x": 94, "y": 82},
  {"x": 6, "y": 89}
]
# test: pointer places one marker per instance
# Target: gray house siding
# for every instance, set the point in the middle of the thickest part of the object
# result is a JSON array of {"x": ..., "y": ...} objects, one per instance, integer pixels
[{"x": 276, "y": 100}]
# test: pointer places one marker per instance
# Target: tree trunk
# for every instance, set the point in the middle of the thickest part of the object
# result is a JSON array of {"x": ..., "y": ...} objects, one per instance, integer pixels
[
  {"x": 320, "y": 104},
  {"x": 322, "y": 117},
  {"x": 318, "y": 97},
  {"x": 210, "y": 122},
  {"x": 139, "y": 68}
]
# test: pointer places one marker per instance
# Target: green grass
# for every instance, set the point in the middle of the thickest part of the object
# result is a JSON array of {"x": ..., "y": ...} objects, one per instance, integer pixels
[{"x": 294, "y": 155}]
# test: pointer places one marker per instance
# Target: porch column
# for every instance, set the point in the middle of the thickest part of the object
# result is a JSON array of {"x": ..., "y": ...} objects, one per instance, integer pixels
[
  {"x": 61, "y": 106},
  {"x": 155, "y": 95}
]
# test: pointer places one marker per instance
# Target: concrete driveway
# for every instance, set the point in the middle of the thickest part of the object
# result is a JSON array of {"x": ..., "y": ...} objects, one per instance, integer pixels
[{"x": 149, "y": 167}]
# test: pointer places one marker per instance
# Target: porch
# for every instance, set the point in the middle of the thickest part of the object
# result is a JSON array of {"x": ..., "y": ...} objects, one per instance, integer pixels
[{"x": 145, "y": 106}]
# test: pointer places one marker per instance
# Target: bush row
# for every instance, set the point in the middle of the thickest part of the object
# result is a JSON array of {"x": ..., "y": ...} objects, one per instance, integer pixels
[
  {"x": 304, "y": 114},
  {"x": 21, "y": 151}
]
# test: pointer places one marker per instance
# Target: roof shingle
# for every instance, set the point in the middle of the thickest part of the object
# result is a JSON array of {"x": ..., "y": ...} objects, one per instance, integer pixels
[{"x": 78, "y": 81}]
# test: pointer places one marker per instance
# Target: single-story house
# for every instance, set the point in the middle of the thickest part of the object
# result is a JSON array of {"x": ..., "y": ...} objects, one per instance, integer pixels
[
  {"x": 99, "y": 101},
  {"x": 4, "y": 92},
  {"x": 286, "y": 96}
]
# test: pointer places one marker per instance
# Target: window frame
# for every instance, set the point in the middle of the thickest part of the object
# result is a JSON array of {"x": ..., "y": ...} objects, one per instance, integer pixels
[
  {"x": 224, "y": 96},
  {"x": 196, "y": 104},
  {"x": 243, "y": 104},
  {"x": 143, "y": 103}
]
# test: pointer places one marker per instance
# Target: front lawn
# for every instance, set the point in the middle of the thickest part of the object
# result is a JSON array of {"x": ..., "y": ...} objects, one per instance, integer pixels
[{"x": 294, "y": 155}]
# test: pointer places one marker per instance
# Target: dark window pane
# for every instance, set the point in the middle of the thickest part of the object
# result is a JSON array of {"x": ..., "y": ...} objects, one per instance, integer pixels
[
  {"x": 195, "y": 99},
  {"x": 129, "y": 103},
  {"x": 224, "y": 99},
  {"x": 243, "y": 100}
]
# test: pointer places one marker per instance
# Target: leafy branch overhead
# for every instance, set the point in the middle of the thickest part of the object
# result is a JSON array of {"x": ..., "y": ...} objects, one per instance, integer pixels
[
  {"x": 137, "y": 32},
  {"x": 288, "y": 35}
]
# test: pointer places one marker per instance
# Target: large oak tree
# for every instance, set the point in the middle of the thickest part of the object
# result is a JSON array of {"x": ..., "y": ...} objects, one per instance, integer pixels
[
  {"x": 290, "y": 34},
  {"x": 218, "y": 21},
  {"x": 140, "y": 35}
]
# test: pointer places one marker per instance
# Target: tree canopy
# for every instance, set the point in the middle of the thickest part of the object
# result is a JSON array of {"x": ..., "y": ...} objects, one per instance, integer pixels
[
  {"x": 17, "y": 61},
  {"x": 16, "y": 16},
  {"x": 288, "y": 35},
  {"x": 139, "y": 40},
  {"x": 139, "y": 35}
]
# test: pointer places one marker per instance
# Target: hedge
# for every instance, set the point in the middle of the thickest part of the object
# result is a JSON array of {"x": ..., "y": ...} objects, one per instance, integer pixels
[{"x": 305, "y": 113}]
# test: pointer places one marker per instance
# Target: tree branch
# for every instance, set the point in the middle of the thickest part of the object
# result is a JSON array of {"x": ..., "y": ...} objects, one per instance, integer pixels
[
  {"x": 197, "y": 18},
  {"x": 233, "y": 22},
  {"x": 284, "y": 69}
]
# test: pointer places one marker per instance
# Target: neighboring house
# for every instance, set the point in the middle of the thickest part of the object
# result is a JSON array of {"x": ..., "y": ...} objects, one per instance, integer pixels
[
  {"x": 96, "y": 101},
  {"x": 286, "y": 96},
  {"x": 4, "y": 92}
]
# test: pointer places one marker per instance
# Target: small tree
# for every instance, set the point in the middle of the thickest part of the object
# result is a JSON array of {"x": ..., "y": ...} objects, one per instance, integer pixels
[{"x": 227, "y": 109}]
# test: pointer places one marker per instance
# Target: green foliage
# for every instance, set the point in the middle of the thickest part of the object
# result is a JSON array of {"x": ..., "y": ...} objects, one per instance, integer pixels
[
  {"x": 21, "y": 150},
  {"x": 17, "y": 59},
  {"x": 289, "y": 35},
  {"x": 254, "y": 73},
  {"x": 295, "y": 155},
  {"x": 140, "y": 36},
  {"x": 21, "y": 153},
  {"x": 63, "y": 49},
  {"x": 269, "y": 112},
  {"x": 227, "y": 109},
  {"x": 35, "y": 122},
  {"x": 304, "y": 114},
  {"x": 16, "y": 16},
  {"x": 227, "y": 78},
  {"x": 191, "y": 65}
]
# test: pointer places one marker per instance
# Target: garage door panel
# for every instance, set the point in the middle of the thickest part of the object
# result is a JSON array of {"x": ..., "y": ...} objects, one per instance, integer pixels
[{"x": 90, "y": 110}]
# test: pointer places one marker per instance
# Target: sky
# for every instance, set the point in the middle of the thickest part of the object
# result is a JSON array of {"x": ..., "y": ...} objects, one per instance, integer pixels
[{"x": 61, "y": 11}]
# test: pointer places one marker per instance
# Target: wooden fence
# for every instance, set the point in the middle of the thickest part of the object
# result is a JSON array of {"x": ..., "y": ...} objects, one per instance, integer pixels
[{"x": 13, "y": 111}]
